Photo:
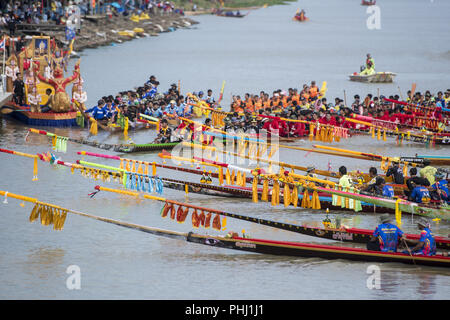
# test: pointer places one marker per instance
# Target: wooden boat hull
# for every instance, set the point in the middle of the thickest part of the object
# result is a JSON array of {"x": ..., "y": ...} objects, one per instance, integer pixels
[
  {"x": 131, "y": 148},
  {"x": 47, "y": 119},
  {"x": 306, "y": 250},
  {"x": 379, "y": 77}
]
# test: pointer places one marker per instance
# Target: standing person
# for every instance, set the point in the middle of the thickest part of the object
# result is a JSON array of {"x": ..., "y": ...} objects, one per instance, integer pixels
[
  {"x": 19, "y": 90},
  {"x": 386, "y": 236}
]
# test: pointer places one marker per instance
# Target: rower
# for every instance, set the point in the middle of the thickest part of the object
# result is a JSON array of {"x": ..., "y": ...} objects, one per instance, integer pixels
[
  {"x": 344, "y": 181},
  {"x": 426, "y": 245},
  {"x": 386, "y": 236},
  {"x": 419, "y": 194},
  {"x": 165, "y": 132},
  {"x": 99, "y": 112},
  {"x": 440, "y": 188},
  {"x": 378, "y": 187},
  {"x": 373, "y": 173},
  {"x": 396, "y": 173},
  {"x": 416, "y": 180},
  {"x": 428, "y": 171}
]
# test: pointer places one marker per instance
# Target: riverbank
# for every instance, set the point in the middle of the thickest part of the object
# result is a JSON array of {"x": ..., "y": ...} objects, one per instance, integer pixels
[
  {"x": 100, "y": 30},
  {"x": 205, "y": 6}
]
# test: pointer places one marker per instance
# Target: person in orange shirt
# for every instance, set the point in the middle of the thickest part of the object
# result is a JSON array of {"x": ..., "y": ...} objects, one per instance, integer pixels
[
  {"x": 257, "y": 102},
  {"x": 305, "y": 93},
  {"x": 313, "y": 91},
  {"x": 249, "y": 107},
  {"x": 266, "y": 101},
  {"x": 236, "y": 105},
  {"x": 285, "y": 101}
]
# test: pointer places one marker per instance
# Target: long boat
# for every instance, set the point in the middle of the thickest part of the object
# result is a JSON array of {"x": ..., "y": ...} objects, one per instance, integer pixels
[
  {"x": 298, "y": 249},
  {"x": 124, "y": 148},
  {"x": 344, "y": 234}
]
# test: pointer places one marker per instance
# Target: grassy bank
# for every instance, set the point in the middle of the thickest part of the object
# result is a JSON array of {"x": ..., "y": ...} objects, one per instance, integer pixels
[{"x": 209, "y": 4}]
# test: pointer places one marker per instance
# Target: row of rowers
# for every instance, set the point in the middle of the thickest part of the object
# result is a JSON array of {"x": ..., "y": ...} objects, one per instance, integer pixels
[
  {"x": 280, "y": 99},
  {"x": 275, "y": 123}
]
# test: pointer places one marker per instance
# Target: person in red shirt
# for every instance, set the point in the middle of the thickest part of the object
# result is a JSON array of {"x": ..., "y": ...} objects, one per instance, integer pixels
[{"x": 297, "y": 129}]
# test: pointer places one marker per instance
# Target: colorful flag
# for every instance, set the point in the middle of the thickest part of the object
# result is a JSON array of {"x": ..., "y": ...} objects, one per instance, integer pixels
[{"x": 2, "y": 44}]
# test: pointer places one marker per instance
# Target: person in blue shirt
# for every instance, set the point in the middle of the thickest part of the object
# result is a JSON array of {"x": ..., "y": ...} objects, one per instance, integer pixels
[
  {"x": 172, "y": 108},
  {"x": 426, "y": 245},
  {"x": 386, "y": 236},
  {"x": 388, "y": 191},
  {"x": 111, "y": 110},
  {"x": 419, "y": 194},
  {"x": 440, "y": 188},
  {"x": 98, "y": 112}
]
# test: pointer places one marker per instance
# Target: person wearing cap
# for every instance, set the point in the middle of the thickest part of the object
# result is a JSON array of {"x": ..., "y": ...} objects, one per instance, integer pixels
[
  {"x": 172, "y": 108},
  {"x": 426, "y": 245},
  {"x": 386, "y": 236},
  {"x": 440, "y": 188},
  {"x": 370, "y": 66}
]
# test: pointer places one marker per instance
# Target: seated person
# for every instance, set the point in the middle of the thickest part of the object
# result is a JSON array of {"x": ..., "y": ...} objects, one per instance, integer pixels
[
  {"x": 419, "y": 194},
  {"x": 396, "y": 173},
  {"x": 426, "y": 245},
  {"x": 98, "y": 112},
  {"x": 165, "y": 133},
  {"x": 386, "y": 236},
  {"x": 440, "y": 188}
]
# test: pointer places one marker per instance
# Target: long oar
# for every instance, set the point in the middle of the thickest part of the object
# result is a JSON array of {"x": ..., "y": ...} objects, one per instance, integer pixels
[
  {"x": 27, "y": 155},
  {"x": 59, "y": 221}
]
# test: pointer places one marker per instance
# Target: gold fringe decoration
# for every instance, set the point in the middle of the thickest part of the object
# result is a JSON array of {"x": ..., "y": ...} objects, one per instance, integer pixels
[
  {"x": 305, "y": 201},
  {"x": 315, "y": 201},
  {"x": 286, "y": 195},
  {"x": 255, "y": 189},
  {"x": 294, "y": 196},
  {"x": 265, "y": 191},
  {"x": 220, "y": 175},
  {"x": 405, "y": 169},
  {"x": 228, "y": 177},
  {"x": 275, "y": 193},
  {"x": 398, "y": 213}
]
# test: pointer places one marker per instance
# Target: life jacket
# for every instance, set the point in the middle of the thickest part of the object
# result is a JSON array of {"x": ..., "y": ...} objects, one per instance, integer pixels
[
  {"x": 313, "y": 91},
  {"x": 284, "y": 101},
  {"x": 258, "y": 104}
]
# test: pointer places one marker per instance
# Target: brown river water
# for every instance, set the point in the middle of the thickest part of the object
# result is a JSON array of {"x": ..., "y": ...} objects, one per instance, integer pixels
[{"x": 264, "y": 51}]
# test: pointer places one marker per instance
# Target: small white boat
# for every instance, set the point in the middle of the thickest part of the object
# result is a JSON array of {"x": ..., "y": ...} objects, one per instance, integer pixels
[{"x": 374, "y": 78}]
